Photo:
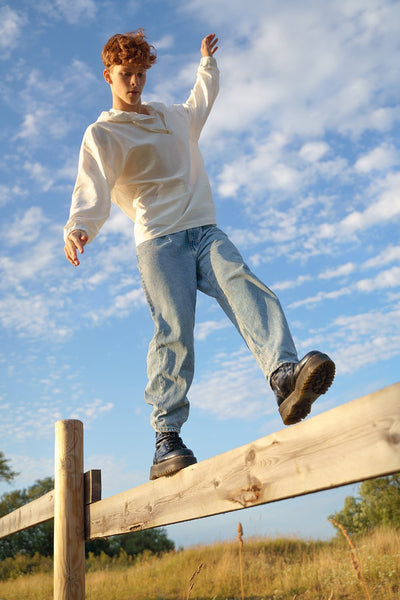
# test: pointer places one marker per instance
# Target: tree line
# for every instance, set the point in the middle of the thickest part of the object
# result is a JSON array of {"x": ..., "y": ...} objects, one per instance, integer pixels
[
  {"x": 377, "y": 504},
  {"x": 39, "y": 539}
]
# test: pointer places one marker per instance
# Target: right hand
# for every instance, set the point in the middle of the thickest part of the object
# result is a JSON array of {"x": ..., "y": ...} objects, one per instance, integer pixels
[
  {"x": 209, "y": 45},
  {"x": 76, "y": 240}
]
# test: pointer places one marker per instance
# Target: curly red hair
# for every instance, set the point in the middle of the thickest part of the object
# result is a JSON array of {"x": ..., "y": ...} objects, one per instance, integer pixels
[{"x": 128, "y": 49}]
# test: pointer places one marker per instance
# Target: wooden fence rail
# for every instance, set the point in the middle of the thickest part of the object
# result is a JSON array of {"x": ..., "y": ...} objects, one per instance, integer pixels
[{"x": 357, "y": 441}]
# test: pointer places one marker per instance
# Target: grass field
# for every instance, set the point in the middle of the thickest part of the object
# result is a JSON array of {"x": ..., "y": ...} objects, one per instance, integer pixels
[{"x": 273, "y": 569}]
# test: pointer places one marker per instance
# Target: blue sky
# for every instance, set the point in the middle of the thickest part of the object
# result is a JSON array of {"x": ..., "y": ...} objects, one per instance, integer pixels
[{"x": 303, "y": 156}]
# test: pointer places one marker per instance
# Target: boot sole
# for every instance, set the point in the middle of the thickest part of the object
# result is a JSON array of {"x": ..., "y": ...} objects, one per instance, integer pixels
[
  {"x": 314, "y": 380},
  {"x": 171, "y": 466}
]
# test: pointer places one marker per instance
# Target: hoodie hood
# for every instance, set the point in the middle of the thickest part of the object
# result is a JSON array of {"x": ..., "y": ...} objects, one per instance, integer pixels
[{"x": 148, "y": 122}]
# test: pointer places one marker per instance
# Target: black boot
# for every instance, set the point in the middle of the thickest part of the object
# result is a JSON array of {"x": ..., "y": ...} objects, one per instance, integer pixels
[
  {"x": 298, "y": 385},
  {"x": 171, "y": 455}
]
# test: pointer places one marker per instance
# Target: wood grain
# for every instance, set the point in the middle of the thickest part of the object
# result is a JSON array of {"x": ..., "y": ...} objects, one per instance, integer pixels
[
  {"x": 356, "y": 441},
  {"x": 69, "y": 537},
  {"x": 36, "y": 512},
  {"x": 42, "y": 510}
]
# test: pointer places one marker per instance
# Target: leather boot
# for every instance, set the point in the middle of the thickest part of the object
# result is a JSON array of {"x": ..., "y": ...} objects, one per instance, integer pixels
[
  {"x": 298, "y": 385},
  {"x": 171, "y": 455}
]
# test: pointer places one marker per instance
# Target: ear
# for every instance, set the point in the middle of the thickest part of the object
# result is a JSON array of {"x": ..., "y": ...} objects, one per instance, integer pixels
[{"x": 107, "y": 75}]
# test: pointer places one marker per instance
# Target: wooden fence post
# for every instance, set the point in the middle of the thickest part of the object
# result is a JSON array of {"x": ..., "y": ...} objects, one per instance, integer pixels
[{"x": 69, "y": 538}]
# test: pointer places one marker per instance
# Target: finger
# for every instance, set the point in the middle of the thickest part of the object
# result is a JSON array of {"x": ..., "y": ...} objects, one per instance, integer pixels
[
  {"x": 74, "y": 261},
  {"x": 213, "y": 44},
  {"x": 70, "y": 252},
  {"x": 79, "y": 239}
]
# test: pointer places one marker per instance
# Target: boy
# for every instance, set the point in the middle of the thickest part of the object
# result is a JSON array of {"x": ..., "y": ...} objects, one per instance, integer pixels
[{"x": 145, "y": 158}]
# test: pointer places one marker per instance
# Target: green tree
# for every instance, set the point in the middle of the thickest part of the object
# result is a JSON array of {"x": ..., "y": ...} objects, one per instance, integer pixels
[
  {"x": 6, "y": 474},
  {"x": 154, "y": 540},
  {"x": 377, "y": 504}
]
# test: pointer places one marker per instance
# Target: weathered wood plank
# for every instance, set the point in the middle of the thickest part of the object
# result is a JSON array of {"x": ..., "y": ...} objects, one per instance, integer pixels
[
  {"x": 353, "y": 442},
  {"x": 42, "y": 510},
  {"x": 36, "y": 512}
]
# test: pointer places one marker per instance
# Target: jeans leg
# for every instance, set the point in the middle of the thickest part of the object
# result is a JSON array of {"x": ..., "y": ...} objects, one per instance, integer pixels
[
  {"x": 168, "y": 271},
  {"x": 251, "y": 306}
]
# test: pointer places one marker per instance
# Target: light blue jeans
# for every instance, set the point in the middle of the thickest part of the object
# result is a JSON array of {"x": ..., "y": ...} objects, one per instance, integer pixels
[{"x": 173, "y": 268}]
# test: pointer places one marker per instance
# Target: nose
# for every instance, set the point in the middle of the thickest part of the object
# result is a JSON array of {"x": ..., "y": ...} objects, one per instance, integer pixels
[{"x": 134, "y": 80}]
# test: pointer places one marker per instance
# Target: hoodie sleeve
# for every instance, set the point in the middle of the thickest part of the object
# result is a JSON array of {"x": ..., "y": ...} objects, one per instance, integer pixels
[
  {"x": 203, "y": 94},
  {"x": 91, "y": 198}
]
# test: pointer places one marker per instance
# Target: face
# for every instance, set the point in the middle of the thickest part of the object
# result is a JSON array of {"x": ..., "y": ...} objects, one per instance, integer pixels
[{"x": 127, "y": 83}]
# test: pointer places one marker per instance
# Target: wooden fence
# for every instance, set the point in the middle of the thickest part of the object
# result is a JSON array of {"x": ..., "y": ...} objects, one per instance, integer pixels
[{"x": 357, "y": 441}]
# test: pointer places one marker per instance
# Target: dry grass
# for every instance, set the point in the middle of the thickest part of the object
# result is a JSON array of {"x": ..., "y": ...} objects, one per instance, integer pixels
[
  {"x": 280, "y": 569},
  {"x": 240, "y": 540},
  {"x": 353, "y": 558}
]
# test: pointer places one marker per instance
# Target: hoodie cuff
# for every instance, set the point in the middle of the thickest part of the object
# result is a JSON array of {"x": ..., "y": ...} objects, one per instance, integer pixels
[{"x": 208, "y": 61}]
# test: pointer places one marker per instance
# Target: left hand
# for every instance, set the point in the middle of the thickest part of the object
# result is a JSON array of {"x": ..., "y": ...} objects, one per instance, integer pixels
[
  {"x": 76, "y": 240},
  {"x": 209, "y": 45}
]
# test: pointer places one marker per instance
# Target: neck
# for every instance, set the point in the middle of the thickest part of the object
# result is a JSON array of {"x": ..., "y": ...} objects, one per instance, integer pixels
[{"x": 137, "y": 108}]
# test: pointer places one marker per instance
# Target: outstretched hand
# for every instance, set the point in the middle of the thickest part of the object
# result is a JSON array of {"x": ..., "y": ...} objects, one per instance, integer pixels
[
  {"x": 209, "y": 45},
  {"x": 75, "y": 241}
]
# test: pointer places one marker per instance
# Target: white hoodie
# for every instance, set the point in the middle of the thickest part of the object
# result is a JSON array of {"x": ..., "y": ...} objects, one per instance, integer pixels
[{"x": 148, "y": 165}]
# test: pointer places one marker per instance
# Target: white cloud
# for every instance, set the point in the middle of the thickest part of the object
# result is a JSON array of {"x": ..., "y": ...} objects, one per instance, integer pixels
[
  {"x": 25, "y": 228},
  {"x": 32, "y": 262},
  {"x": 36, "y": 419},
  {"x": 383, "y": 209},
  {"x": 10, "y": 193},
  {"x": 119, "y": 224},
  {"x": 42, "y": 174},
  {"x": 116, "y": 476},
  {"x": 359, "y": 325},
  {"x": 385, "y": 279},
  {"x": 41, "y": 123},
  {"x": 33, "y": 316},
  {"x": 311, "y": 301},
  {"x": 349, "y": 358},
  {"x": 122, "y": 305},
  {"x": 235, "y": 388},
  {"x": 203, "y": 330},
  {"x": 289, "y": 284},
  {"x": 313, "y": 151},
  {"x": 47, "y": 101},
  {"x": 164, "y": 43},
  {"x": 388, "y": 255},
  {"x": 381, "y": 158},
  {"x": 110, "y": 258},
  {"x": 91, "y": 411},
  {"x": 294, "y": 84},
  {"x": 263, "y": 168},
  {"x": 366, "y": 338},
  {"x": 340, "y": 271},
  {"x": 28, "y": 421},
  {"x": 11, "y": 24},
  {"x": 31, "y": 469},
  {"x": 72, "y": 11}
]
